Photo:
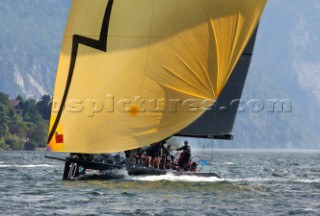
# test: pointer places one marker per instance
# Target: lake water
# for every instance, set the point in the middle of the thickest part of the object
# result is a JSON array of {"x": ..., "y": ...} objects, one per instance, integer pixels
[{"x": 253, "y": 183}]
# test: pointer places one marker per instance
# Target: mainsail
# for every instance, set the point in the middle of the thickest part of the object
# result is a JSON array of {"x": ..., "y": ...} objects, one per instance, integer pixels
[{"x": 134, "y": 72}]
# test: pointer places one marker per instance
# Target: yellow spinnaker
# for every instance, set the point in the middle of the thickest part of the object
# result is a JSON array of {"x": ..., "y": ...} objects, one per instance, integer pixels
[{"x": 133, "y": 72}]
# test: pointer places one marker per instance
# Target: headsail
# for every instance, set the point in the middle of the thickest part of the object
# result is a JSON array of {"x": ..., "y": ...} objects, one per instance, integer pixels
[
  {"x": 217, "y": 122},
  {"x": 133, "y": 72}
]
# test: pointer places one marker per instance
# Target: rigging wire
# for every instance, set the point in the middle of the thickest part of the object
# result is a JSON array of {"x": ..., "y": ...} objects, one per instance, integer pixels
[
  {"x": 203, "y": 148},
  {"x": 211, "y": 155}
]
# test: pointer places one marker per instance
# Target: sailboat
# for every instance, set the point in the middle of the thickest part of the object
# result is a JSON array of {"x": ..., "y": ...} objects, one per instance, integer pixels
[{"x": 134, "y": 72}]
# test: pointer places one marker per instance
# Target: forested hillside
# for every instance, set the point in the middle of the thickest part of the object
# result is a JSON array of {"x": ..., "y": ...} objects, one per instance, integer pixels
[{"x": 23, "y": 121}]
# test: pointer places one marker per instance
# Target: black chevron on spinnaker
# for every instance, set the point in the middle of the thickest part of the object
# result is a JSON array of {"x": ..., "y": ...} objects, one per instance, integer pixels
[{"x": 100, "y": 44}]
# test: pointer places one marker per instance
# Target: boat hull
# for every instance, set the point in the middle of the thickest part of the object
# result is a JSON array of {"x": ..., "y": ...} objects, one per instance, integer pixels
[{"x": 76, "y": 169}]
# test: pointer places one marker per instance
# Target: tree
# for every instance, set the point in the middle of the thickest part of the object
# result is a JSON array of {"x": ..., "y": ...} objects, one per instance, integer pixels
[
  {"x": 15, "y": 142},
  {"x": 38, "y": 133},
  {"x": 3, "y": 144},
  {"x": 4, "y": 99},
  {"x": 30, "y": 112},
  {"x": 4, "y": 119},
  {"x": 19, "y": 97},
  {"x": 44, "y": 106}
]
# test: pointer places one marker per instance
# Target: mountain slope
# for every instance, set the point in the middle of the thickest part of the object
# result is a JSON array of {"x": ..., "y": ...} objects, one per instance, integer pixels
[
  {"x": 287, "y": 52},
  {"x": 30, "y": 39}
]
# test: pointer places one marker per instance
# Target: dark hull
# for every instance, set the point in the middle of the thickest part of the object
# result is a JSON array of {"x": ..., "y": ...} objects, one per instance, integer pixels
[{"x": 78, "y": 169}]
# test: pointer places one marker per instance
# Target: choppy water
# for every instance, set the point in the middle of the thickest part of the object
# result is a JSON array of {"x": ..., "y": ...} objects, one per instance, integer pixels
[{"x": 254, "y": 183}]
